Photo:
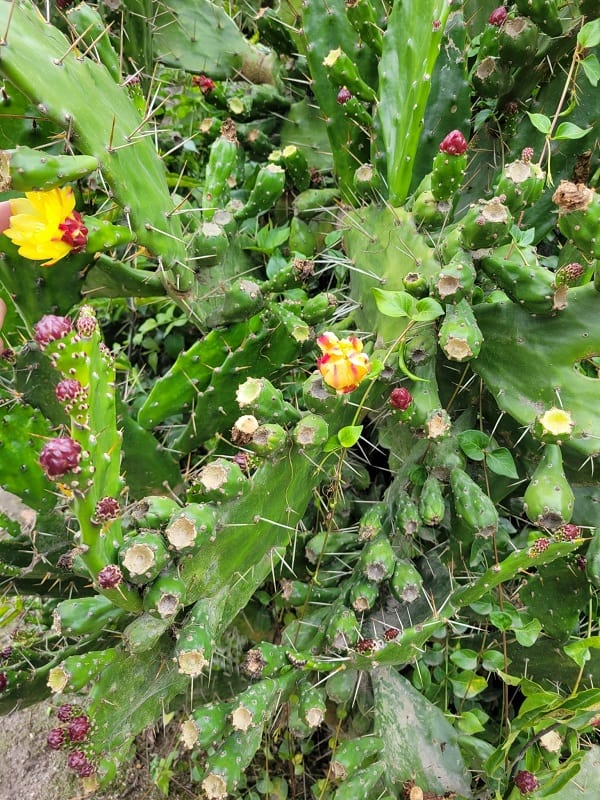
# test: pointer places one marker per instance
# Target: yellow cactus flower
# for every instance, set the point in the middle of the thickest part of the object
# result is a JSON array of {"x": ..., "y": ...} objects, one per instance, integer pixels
[
  {"x": 556, "y": 421},
  {"x": 45, "y": 225},
  {"x": 343, "y": 365}
]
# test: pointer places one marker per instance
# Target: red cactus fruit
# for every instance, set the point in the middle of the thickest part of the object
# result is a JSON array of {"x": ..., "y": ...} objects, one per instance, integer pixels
[
  {"x": 7, "y": 354},
  {"x": 204, "y": 83},
  {"x": 78, "y": 728},
  {"x": 343, "y": 95},
  {"x": 59, "y": 456},
  {"x": 365, "y": 646},
  {"x": 454, "y": 144},
  {"x": 498, "y": 16},
  {"x": 50, "y": 328},
  {"x": 107, "y": 508},
  {"x": 570, "y": 531},
  {"x": 539, "y": 546},
  {"x": 5, "y": 653},
  {"x": 3, "y": 681},
  {"x": 86, "y": 323},
  {"x": 400, "y": 398},
  {"x": 391, "y": 634},
  {"x": 65, "y": 712},
  {"x": 76, "y": 760},
  {"x": 526, "y": 781},
  {"x": 56, "y": 738},
  {"x": 110, "y": 577},
  {"x": 68, "y": 389},
  {"x": 86, "y": 769},
  {"x": 581, "y": 563}
]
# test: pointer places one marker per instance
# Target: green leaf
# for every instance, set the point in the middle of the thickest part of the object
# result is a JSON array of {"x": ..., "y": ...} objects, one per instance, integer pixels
[
  {"x": 501, "y": 462},
  {"x": 427, "y": 309},
  {"x": 591, "y": 67},
  {"x": 465, "y": 659},
  {"x": 349, "y": 435},
  {"x": 331, "y": 445},
  {"x": 529, "y": 633},
  {"x": 395, "y": 304},
  {"x": 589, "y": 35},
  {"x": 493, "y": 660},
  {"x": 468, "y": 685},
  {"x": 469, "y": 723},
  {"x": 541, "y": 122},
  {"x": 579, "y": 651},
  {"x": 473, "y": 444},
  {"x": 567, "y": 130}
]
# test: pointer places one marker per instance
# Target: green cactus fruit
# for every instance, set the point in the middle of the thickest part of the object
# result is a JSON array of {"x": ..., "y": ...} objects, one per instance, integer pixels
[
  {"x": 432, "y": 505},
  {"x": 406, "y": 582},
  {"x": 298, "y": 593},
  {"x": 361, "y": 783},
  {"x": 549, "y": 500},
  {"x": 579, "y": 216},
  {"x": 444, "y": 455},
  {"x": 274, "y": 32},
  {"x": 209, "y": 245},
  {"x": 429, "y": 212},
  {"x": 330, "y": 543},
  {"x": 377, "y": 559},
  {"x": 77, "y": 671},
  {"x": 449, "y": 166},
  {"x": 28, "y": 170},
  {"x": 143, "y": 556},
  {"x": 206, "y": 725},
  {"x": 415, "y": 283},
  {"x": 94, "y": 35},
  {"x": 268, "y": 439},
  {"x": 312, "y": 705},
  {"x": 240, "y": 300},
  {"x": 296, "y": 168},
  {"x": 521, "y": 183},
  {"x": 342, "y": 628},
  {"x": 313, "y": 201},
  {"x": 367, "y": 182},
  {"x": 259, "y": 397},
  {"x": 518, "y": 272},
  {"x": 491, "y": 78},
  {"x": 363, "y": 595},
  {"x": 153, "y": 511},
  {"x": 103, "y": 235},
  {"x": 222, "y": 160},
  {"x": 472, "y": 505},
  {"x": 311, "y": 432},
  {"x": 264, "y": 661},
  {"x": 165, "y": 597},
  {"x": 219, "y": 480},
  {"x": 195, "y": 642},
  {"x": 371, "y": 522},
  {"x": 340, "y": 685},
  {"x": 486, "y": 224},
  {"x": 342, "y": 71},
  {"x": 363, "y": 19},
  {"x": 544, "y": 13},
  {"x": 303, "y": 238},
  {"x": 459, "y": 334},
  {"x": 351, "y": 755},
  {"x": 144, "y": 633},
  {"x": 85, "y": 615},
  {"x": 406, "y": 517},
  {"x": 456, "y": 279},
  {"x": 268, "y": 188},
  {"x": 354, "y": 109},
  {"x": 517, "y": 41}
]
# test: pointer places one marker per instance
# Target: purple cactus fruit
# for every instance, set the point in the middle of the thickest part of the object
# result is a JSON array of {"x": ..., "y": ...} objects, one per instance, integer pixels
[
  {"x": 65, "y": 712},
  {"x": 68, "y": 389},
  {"x": 107, "y": 508},
  {"x": 8, "y": 354},
  {"x": 454, "y": 144},
  {"x": 50, "y": 328},
  {"x": 56, "y": 738},
  {"x": 86, "y": 323},
  {"x": 5, "y": 653},
  {"x": 60, "y": 456},
  {"x": 401, "y": 398},
  {"x": 390, "y": 634},
  {"x": 242, "y": 459},
  {"x": 79, "y": 728},
  {"x": 581, "y": 563},
  {"x": 343, "y": 96},
  {"x": 498, "y": 16},
  {"x": 3, "y": 681},
  {"x": 110, "y": 577},
  {"x": 76, "y": 760},
  {"x": 86, "y": 769},
  {"x": 204, "y": 83},
  {"x": 570, "y": 531},
  {"x": 539, "y": 546},
  {"x": 526, "y": 781},
  {"x": 527, "y": 154}
]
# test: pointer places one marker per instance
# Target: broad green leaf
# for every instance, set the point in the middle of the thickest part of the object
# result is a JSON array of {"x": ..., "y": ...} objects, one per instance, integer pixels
[
  {"x": 465, "y": 659},
  {"x": 591, "y": 67},
  {"x": 468, "y": 684},
  {"x": 470, "y": 723},
  {"x": 589, "y": 35},
  {"x": 567, "y": 130},
  {"x": 529, "y": 633},
  {"x": 501, "y": 462},
  {"x": 493, "y": 660},
  {"x": 579, "y": 650},
  {"x": 541, "y": 122},
  {"x": 427, "y": 309},
  {"x": 395, "y": 304},
  {"x": 473, "y": 444},
  {"x": 349, "y": 435}
]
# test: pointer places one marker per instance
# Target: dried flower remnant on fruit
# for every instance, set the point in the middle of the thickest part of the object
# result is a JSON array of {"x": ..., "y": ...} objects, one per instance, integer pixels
[
  {"x": 343, "y": 365},
  {"x": 50, "y": 328},
  {"x": 526, "y": 781},
  {"x": 59, "y": 456},
  {"x": 45, "y": 226},
  {"x": 454, "y": 144}
]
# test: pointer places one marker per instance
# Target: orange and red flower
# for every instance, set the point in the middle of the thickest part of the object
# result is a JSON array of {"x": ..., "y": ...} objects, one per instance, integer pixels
[{"x": 343, "y": 365}]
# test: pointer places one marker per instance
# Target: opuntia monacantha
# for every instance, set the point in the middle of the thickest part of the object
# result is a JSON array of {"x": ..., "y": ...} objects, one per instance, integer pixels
[
  {"x": 49, "y": 328},
  {"x": 59, "y": 456}
]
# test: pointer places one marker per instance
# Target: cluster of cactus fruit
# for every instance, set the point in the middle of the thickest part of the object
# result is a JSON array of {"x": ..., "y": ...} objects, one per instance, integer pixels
[{"x": 372, "y": 456}]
